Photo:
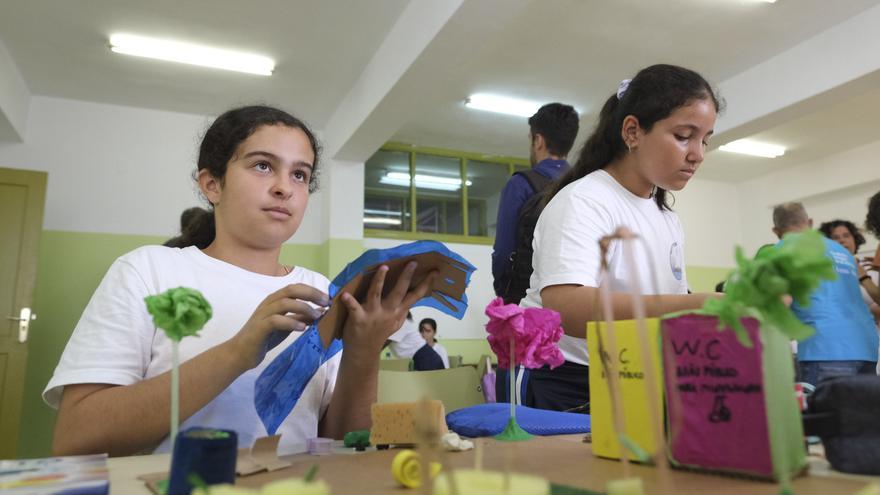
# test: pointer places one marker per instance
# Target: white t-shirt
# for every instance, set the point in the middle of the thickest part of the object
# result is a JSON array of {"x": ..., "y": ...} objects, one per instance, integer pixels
[
  {"x": 875, "y": 277},
  {"x": 406, "y": 340},
  {"x": 115, "y": 341},
  {"x": 566, "y": 246},
  {"x": 439, "y": 349}
]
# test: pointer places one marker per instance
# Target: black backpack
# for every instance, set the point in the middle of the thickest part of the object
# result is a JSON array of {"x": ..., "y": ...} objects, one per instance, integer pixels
[
  {"x": 514, "y": 281},
  {"x": 843, "y": 412}
]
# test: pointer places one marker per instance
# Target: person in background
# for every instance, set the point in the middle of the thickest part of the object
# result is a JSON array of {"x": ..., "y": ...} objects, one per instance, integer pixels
[
  {"x": 407, "y": 340},
  {"x": 552, "y": 131},
  {"x": 846, "y": 341},
  {"x": 650, "y": 139},
  {"x": 847, "y": 235},
  {"x": 872, "y": 223},
  {"x": 193, "y": 223},
  {"x": 424, "y": 358}
]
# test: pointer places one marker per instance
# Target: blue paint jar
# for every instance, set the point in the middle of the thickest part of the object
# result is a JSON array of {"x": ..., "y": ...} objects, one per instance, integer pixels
[{"x": 207, "y": 453}]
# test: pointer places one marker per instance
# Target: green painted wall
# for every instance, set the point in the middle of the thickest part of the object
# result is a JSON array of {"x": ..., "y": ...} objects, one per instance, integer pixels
[
  {"x": 704, "y": 278},
  {"x": 72, "y": 264},
  {"x": 470, "y": 350},
  {"x": 340, "y": 252}
]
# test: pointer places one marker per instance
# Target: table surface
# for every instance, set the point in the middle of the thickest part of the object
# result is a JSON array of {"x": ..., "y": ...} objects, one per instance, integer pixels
[{"x": 565, "y": 460}]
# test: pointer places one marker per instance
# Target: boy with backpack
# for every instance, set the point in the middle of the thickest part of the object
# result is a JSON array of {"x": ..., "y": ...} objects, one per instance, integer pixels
[{"x": 552, "y": 131}]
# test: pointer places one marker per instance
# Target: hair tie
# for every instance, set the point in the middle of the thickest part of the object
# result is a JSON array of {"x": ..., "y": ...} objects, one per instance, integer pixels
[{"x": 622, "y": 87}]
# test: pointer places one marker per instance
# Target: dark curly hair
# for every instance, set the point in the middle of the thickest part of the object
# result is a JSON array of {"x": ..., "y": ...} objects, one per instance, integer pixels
[
  {"x": 218, "y": 145},
  {"x": 872, "y": 221},
  {"x": 828, "y": 227}
]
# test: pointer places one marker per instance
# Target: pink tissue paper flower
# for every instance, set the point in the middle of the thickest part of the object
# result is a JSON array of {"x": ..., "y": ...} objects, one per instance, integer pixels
[{"x": 535, "y": 332}]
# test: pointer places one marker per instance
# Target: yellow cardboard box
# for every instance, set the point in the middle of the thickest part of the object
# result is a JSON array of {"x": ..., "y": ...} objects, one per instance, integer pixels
[{"x": 634, "y": 391}]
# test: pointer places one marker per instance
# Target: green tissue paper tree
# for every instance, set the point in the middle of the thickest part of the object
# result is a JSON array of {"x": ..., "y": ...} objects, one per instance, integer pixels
[{"x": 180, "y": 313}]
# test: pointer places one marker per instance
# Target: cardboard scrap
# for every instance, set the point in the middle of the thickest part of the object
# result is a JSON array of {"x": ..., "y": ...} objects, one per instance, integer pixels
[{"x": 263, "y": 456}]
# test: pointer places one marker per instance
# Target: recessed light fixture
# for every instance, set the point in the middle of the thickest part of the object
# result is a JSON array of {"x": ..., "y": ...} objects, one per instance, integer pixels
[
  {"x": 423, "y": 181},
  {"x": 382, "y": 221},
  {"x": 754, "y": 148},
  {"x": 188, "y": 53},
  {"x": 502, "y": 104}
]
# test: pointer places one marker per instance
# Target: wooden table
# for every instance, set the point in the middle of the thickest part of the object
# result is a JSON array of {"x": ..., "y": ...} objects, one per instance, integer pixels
[{"x": 564, "y": 460}]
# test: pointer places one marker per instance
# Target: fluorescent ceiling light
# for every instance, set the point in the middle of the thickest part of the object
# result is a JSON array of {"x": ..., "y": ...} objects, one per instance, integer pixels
[
  {"x": 423, "y": 181},
  {"x": 502, "y": 104},
  {"x": 383, "y": 221},
  {"x": 754, "y": 148},
  {"x": 188, "y": 53},
  {"x": 387, "y": 213}
]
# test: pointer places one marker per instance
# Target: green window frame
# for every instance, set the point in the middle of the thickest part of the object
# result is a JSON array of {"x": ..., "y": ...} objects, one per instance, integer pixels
[{"x": 513, "y": 164}]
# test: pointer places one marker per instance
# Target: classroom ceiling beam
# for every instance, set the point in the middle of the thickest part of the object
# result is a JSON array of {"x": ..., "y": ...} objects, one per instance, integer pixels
[
  {"x": 828, "y": 68},
  {"x": 14, "y": 99},
  {"x": 429, "y": 43}
]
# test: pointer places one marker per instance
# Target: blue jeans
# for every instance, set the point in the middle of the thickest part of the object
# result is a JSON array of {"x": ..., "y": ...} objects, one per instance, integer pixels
[{"x": 814, "y": 372}]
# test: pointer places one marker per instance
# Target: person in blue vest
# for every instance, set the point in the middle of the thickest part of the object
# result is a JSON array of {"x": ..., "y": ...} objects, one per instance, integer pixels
[
  {"x": 845, "y": 342},
  {"x": 552, "y": 131}
]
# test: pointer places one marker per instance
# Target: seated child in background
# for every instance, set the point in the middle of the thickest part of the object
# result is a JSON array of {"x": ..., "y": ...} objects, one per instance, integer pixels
[
  {"x": 406, "y": 340},
  {"x": 427, "y": 357}
]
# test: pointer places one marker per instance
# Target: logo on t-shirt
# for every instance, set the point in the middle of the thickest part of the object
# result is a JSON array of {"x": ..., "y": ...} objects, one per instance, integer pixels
[{"x": 676, "y": 261}]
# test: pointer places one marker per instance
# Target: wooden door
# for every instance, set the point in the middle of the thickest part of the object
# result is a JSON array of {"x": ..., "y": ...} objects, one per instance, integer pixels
[{"x": 22, "y": 194}]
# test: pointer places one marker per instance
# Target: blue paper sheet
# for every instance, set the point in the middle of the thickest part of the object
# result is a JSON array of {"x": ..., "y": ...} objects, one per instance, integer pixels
[{"x": 281, "y": 384}]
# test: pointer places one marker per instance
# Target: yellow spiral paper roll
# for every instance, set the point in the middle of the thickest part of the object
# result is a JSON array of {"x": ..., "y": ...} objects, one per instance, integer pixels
[{"x": 407, "y": 468}]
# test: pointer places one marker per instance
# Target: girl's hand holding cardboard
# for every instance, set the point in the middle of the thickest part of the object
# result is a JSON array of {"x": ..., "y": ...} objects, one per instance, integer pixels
[
  {"x": 380, "y": 313},
  {"x": 283, "y": 311}
]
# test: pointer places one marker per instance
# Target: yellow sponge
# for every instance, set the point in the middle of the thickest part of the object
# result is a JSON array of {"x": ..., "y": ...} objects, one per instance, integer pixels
[{"x": 394, "y": 424}]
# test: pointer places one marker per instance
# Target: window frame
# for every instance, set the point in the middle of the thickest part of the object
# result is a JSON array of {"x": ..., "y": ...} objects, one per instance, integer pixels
[{"x": 511, "y": 163}]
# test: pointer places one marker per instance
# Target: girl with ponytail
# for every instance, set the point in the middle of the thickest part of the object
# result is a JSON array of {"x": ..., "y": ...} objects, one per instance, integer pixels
[
  {"x": 650, "y": 139},
  {"x": 257, "y": 166}
]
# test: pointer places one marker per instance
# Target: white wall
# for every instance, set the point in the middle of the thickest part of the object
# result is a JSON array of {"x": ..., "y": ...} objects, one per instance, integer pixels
[
  {"x": 710, "y": 214},
  {"x": 836, "y": 186},
  {"x": 342, "y": 183},
  {"x": 115, "y": 169}
]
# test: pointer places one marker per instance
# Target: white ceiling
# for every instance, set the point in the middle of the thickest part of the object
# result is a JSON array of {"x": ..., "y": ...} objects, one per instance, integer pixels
[
  {"x": 832, "y": 129},
  {"x": 320, "y": 48},
  {"x": 574, "y": 51},
  {"x": 577, "y": 52}
]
